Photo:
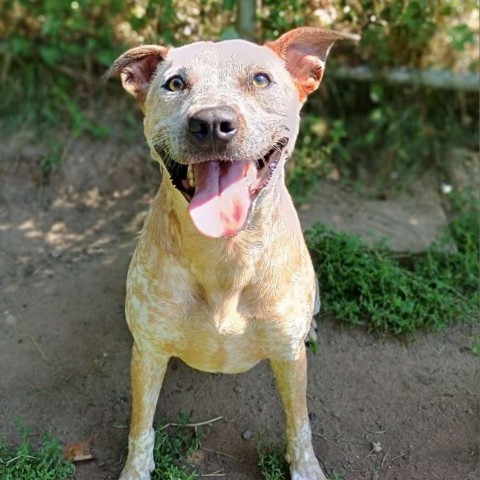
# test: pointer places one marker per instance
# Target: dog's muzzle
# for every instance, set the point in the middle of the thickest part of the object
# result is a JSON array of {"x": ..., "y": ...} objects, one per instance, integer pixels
[{"x": 220, "y": 193}]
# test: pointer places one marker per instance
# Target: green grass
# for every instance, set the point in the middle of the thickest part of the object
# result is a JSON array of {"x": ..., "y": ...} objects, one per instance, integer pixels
[
  {"x": 25, "y": 461},
  {"x": 173, "y": 446},
  {"x": 272, "y": 463},
  {"x": 370, "y": 286}
]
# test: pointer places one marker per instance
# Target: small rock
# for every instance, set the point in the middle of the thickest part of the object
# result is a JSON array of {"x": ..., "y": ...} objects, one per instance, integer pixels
[
  {"x": 377, "y": 447},
  {"x": 312, "y": 416},
  {"x": 446, "y": 188},
  {"x": 10, "y": 320},
  {"x": 247, "y": 435},
  {"x": 470, "y": 411}
]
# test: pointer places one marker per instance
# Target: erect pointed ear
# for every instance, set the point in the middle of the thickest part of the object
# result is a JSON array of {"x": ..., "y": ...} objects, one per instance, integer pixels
[
  {"x": 304, "y": 51},
  {"x": 137, "y": 67}
]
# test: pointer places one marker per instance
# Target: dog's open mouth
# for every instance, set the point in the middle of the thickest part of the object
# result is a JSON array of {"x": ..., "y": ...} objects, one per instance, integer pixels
[{"x": 220, "y": 193}]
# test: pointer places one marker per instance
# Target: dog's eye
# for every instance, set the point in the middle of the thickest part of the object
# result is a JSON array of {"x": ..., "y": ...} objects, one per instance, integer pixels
[
  {"x": 261, "y": 80},
  {"x": 175, "y": 84}
]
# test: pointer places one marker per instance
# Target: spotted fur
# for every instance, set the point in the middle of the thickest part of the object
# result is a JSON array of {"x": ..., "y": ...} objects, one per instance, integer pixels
[{"x": 223, "y": 304}]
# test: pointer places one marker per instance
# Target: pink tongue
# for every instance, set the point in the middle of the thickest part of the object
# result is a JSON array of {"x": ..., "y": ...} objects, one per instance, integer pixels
[{"x": 221, "y": 201}]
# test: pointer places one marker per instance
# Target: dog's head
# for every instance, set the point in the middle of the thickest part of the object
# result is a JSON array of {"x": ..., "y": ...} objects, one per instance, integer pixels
[{"x": 224, "y": 116}]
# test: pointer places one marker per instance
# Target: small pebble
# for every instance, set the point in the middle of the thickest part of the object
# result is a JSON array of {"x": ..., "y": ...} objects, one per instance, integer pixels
[
  {"x": 377, "y": 447},
  {"x": 446, "y": 188},
  {"x": 10, "y": 320},
  {"x": 247, "y": 435}
]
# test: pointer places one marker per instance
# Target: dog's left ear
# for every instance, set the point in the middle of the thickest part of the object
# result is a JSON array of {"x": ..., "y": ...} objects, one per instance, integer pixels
[
  {"x": 137, "y": 67},
  {"x": 304, "y": 51}
]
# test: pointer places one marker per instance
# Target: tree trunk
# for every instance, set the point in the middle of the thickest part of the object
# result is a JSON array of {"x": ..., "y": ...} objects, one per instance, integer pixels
[{"x": 247, "y": 18}]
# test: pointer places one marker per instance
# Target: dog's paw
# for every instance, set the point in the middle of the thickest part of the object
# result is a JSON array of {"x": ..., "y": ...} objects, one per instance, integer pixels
[
  {"x": 132, "y": 473},
  {"x": 129, "y": 474},
  {"x": 138, "y": 470},
  {"x": 312, "y": 471}
]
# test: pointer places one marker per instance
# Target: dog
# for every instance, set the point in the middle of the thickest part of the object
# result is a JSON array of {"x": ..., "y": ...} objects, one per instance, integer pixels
[{"x": 221, "y": 276}]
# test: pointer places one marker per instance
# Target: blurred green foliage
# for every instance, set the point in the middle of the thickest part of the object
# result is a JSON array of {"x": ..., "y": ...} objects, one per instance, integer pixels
[{"x": 53, "y": 52}]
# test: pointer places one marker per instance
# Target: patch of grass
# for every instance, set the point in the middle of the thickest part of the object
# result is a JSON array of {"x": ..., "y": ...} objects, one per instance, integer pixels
[
  {"x": 25, "y": 461},
  {"x": 272, "y": 463},
  {"x": 173, "y": 446},
  {"x": 312, "y": 345},
  {"x": 368, "y": 285},
  {"x": 475, "y": 345}
]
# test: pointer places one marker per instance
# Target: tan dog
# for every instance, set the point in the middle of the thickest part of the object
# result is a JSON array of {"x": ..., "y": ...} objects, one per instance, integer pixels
[{"x": 221, "y": 276}]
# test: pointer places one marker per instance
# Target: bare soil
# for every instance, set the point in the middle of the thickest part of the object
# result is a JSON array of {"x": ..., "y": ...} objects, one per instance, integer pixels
[{"x": 65, "y": 348}]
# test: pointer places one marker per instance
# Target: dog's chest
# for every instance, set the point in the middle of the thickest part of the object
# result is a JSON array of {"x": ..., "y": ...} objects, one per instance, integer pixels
[
  {"x": 210, "y": 328},
  {"x": 222, "y": 335}
]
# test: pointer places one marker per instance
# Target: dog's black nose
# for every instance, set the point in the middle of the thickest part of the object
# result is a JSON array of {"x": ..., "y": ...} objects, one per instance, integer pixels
[{"x": 219, "y": 124}]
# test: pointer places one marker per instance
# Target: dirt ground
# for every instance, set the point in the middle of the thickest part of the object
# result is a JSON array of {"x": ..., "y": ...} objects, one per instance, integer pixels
[{"x": 65, "y": 348}]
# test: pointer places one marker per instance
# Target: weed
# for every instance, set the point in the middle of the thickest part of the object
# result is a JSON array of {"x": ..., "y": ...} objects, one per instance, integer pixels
[
  {"x": 475, "y": 345},
  {"x": 173, "y": 446},
  {"x": 26, "y": 462},
  {"x": 51, "y": 159},
  {"x": 368, "y": 285},
  {"x": 312, "y": 345},
  {"x": 272, "y": 463}
]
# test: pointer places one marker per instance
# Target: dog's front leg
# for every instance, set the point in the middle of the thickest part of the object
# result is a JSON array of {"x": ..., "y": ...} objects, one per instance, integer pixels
[
  {"x": 291, "y": 377},
  {"x": 147, "y": 369}
]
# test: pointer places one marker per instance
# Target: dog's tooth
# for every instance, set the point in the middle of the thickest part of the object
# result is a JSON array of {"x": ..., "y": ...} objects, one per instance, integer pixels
[
  {"x": 189, "y": 172},
  {"x": 191, "y": 182}
]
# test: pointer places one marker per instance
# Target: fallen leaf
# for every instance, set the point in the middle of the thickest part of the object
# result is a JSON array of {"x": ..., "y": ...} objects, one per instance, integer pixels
[{"x": 78, "y": 451}]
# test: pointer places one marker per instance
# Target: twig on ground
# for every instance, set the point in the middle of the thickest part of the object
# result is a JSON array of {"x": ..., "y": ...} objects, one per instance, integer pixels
[
  {"x": 218, "y": 473},
  {"x": 8, "y": 462},
  {"x": 38, "y": 346},
  {"x": 383, "y": 460},
  {"x": 220, "y": 453},
  {"x": 192, "y": 425},
  {"x": 434, "y": 475},
  {"x": 369, "y": 454}
]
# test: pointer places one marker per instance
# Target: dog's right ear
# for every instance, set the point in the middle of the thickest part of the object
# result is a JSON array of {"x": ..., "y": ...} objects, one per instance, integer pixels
[{"x": 136, "y": 67}]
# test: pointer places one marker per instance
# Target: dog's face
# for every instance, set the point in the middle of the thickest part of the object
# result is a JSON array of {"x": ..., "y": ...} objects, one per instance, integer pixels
[
  {"x": 224, "y": 116},
  {"x": 231, "y": 101}
]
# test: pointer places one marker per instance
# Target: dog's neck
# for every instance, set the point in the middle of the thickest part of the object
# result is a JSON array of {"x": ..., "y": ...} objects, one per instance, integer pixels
[{"x": 169, "y": 229}]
